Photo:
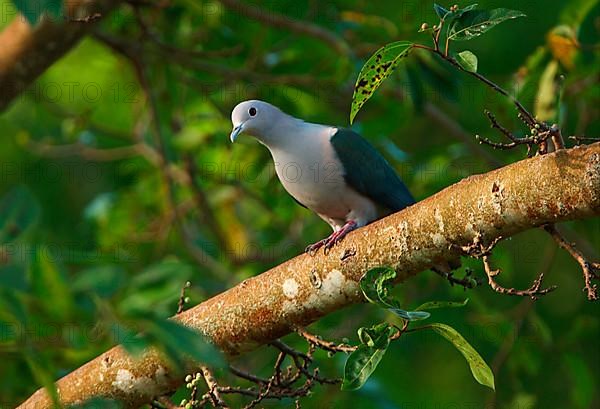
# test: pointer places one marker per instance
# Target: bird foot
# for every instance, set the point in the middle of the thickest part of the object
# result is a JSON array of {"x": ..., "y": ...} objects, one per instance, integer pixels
[{"x": 331, "y": 240}]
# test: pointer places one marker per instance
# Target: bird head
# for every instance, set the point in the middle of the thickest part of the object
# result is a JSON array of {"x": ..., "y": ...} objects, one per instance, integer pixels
[{"x": 253, "y": 117}]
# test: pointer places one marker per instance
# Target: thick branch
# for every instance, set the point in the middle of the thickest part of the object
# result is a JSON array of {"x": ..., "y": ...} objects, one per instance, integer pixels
[
  {"x": 278, "y": 20},
  {"x": 503, "y": 202},
  {"x": 26, "y": 51}
]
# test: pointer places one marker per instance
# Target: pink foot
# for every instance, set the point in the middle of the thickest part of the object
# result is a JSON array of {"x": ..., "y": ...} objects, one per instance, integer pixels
[{"x": 331, "y": 240}]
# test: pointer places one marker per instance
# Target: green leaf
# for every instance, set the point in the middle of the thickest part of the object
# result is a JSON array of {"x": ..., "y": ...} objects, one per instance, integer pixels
[
  {"x": 360, "y": 365},
  {"x": 34, "y": 9},
  {"x": 376, "y": 335},
  {"x": 375, "y": 281},
  {"x": 480, "y": 370},
  {"x": 431, "y": 305},
  {"x": 43, "y": 373},
  {"x": 49, "y": 282},
  {"x": 19, "y": 210},
  {"x": 376, "y": 69},
  {"x": 441, "y": 12},
  {"x": 467, "y": 60},
  {"x": 363, "y": 362},
  {"x": 582, "y": 379},
  {"x": 177, "y": 342},
  {"x": 104, "y": 280},
  {"x": 376, "y": 284},
  {"x": 447, "y": 16},
  {"x": 156, "y": 289},
  {"x": 12, "y": 307},
  {"x": 575, "y": 11},
  {"x": 473, "y": 23},
  {"x": 394, "y": 307}
]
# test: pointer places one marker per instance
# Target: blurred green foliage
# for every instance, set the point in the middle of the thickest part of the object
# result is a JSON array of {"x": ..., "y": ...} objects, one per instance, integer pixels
[{"x": 118, "y": 185}]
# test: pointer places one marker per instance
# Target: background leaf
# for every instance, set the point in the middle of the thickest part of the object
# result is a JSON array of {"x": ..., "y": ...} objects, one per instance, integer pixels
[
  {"x": 34, "y": 9},
  {"x": 19, "y": 210},
  {"x": 480, "y": 370},
  {"x": 49, "y": 282},
  {"x": 440, "y": 11}
]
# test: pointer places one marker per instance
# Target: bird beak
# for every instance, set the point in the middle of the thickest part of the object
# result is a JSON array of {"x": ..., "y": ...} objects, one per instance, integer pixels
[{"x": 236, "y": 131}]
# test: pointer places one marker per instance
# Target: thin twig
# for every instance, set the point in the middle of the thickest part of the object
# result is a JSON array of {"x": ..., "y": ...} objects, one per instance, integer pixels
[
  {"x": 533, "y": 292},
  {"x": 478, "y": 249},
  {"x": 213, "y": 388},
  {"x": 467, "y": 282},
  {"x": 579, "y": 139},
  {"x": 182, "y": 297},
  {"x": 538, "y": 139},
  {"x": 325, "y": 345},
  {"x": 248, "y": 376},
  {"x": 590, "y": 270}
]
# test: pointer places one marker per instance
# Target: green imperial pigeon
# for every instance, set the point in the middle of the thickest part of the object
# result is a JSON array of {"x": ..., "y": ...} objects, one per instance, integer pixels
[{"x": 332, "y": 171}]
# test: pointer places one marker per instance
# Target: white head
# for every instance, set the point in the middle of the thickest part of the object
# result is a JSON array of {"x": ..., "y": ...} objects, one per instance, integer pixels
[{"x": 256, "y": 118}]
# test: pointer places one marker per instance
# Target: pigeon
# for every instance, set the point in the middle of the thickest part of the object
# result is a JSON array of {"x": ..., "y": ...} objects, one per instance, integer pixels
[{"x": 332, "y": 171}]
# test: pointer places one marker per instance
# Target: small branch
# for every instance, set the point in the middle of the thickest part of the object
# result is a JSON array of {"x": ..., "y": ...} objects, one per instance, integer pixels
[
  {"x": 533, "y": 292},
  {"x": 182, "y": 297},
  {"x": 248, "y": 376},
  {"x": 557, "y": 138},
  {"x": 523, "y": 113},
  {"x": 590, "y": 270},
  {"x": 328, "y": 346},
  {"x": 301, "y": 361},
  {"x": 477, "y": 249},
  {"x": 537, "y": 139},
  {"x": 86, "y": 19},
  {"x": 213, "y": 388},
  {"x": 467, "y": 282},
  {"x": 27, "y": 51},
  {"x": 579, "y": 139},
  {"x": 526, "y": 115}
]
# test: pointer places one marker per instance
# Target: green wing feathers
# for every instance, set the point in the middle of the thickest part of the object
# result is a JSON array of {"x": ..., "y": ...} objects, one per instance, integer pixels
[{"x": 367, "y": 172}]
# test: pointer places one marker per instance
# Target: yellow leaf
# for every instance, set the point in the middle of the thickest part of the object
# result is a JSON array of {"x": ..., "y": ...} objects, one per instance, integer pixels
[{"x": 563, "y": 45}]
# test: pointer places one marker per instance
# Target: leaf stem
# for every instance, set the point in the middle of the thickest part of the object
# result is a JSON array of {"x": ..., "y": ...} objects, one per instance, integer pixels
[{"x": 529, "y": 118}]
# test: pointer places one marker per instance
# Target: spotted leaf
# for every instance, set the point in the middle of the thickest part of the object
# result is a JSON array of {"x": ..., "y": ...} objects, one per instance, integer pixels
[
  {"x": 376, "y": 69},
  {"x": 473, "y": 23}
]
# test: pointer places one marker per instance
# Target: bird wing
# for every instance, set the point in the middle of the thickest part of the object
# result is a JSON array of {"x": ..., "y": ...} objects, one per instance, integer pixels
[{"x": 367, "y": 172}]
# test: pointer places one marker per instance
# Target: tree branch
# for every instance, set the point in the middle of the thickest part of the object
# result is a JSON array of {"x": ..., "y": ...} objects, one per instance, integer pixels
[
  {"x": 28, "y": 51},
  {"x": 279, "y": 20},
  {"x": 259, "y": 310}
]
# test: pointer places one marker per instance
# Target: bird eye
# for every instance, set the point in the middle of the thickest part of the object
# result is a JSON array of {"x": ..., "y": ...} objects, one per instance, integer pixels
[{"x": 252, "y": 111}]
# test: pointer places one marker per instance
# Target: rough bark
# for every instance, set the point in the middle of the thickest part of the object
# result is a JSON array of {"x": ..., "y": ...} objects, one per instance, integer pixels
[
  {"x": 557, "y": 187},
  {"x": 26, "y": 51}
]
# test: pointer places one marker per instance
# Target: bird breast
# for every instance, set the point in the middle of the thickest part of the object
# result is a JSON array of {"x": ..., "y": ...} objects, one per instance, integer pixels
[{"x": 314, "y": 176}]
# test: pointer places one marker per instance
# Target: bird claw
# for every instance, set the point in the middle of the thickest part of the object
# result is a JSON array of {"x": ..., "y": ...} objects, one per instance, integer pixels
[
  {"x": 312, "y": 249},
  {"x": 330, "y": 241}
]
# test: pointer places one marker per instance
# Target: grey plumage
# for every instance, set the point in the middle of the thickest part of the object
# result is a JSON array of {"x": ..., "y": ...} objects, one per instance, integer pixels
[{"x": 334, "y": 171}]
